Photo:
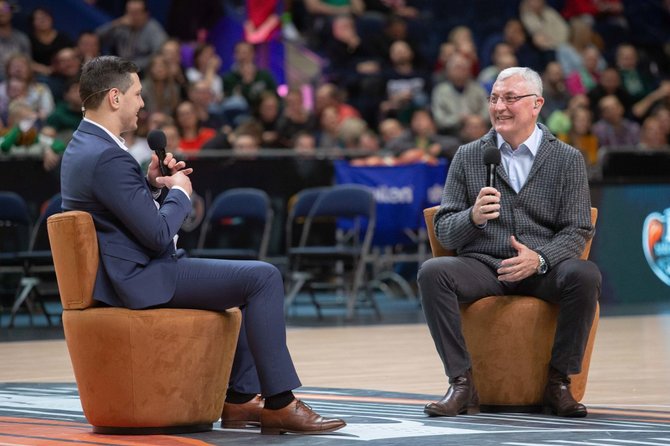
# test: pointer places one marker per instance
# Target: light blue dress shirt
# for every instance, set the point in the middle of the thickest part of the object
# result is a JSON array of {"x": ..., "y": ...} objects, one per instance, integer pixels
[{"x": 517, "y": 163}]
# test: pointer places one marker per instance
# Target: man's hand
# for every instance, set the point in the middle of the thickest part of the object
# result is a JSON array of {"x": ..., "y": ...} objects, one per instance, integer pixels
[
  {"x": 173, "y": 165},
  {"x": 520, "y": 267},
  {"x": 177, "y": 179},
  {"x": 487, "y": 206}
]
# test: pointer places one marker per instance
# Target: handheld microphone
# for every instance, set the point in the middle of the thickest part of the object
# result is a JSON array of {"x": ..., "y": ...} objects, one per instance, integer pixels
[
  {"x": 157, "y": 142},
  {"x": 491, "y": 160}
]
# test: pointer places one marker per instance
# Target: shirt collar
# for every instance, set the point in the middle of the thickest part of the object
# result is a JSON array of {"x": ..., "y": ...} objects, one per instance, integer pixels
[
  {"x": 532, "y": 143},
  {"x": 120, "y": 141}
]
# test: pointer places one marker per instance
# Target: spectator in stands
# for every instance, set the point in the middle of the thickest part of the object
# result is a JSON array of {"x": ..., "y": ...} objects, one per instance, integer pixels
[
  {"x": 659, "y": 97},
  {"x": 246, "y": 78},
  {"x": 206, "y": 64},
  {"x": 613, "y": 129},
  {"x": 395, "y": 28},
  {"x": 328, "y": 95},
  {"x": 581, "y": 135},
  {"x": 459, "y": 95},
  {"x": 587, "y": 76},
  {"x": 67, "y": 115},
  {"x": 209, "y": 111},
  {"x": 447, "y": 49},
  {"x": 407, "y": 87},
  {"x": 45, "y": 40},
  {"x": 134, "y": 36},
  {"x": 501, "y": 58},
  {"x": 267, "y": 117},
  {"x": 329, "y": 128},
  {"x": 247, "y": 139},
  {"x": 548, "y": 30},
  {"x": 350, "y": 132},
  {"x": 356, "y": 66},
  {"x": 662, "y": 113},
  {"x": 36, "y": 94},
  {"x": 555, "y": 92},
  {"x": 294, "y": 118},
  {"x": 420, "y": 142},
  {"x": 88, "y": 46},
  {"x": 473, "y": 127},
  {"x": 160, "y": 92},
  {"x": 23, "y": 136},
  {"x": 390, "y": 129},
  {"x": 559, "y": 120},
  {"x": 569, "y": 54},
  {"x": 11, "y": 40},
  {"x": 605, "y": 16},
  {"x": 637, "y": 80},
  {"x": 464, "y": 44},
  {"x": 320, "y": 14},
  {"x": 171, "y": 51},
  {"x": 652, "y": 136},
  {"x": 66, "y": 66},
  {"x": 514, "y": 34},
  {"x": 610, "y": 84},
  {"x": 193, "y": 135}
]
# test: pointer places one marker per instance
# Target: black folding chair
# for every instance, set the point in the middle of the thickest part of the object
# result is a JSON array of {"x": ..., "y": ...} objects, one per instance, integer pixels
[
  {"x": 237, "y": 226},
  {"x": 317, "y": 264},
  {"x": 39, "y": 277},
  {"x": 15, "y": 226}
]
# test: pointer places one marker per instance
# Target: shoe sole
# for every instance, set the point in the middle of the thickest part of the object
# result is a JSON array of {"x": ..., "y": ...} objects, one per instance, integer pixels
[
  {"x": 472, "y": 410},
  {"x": 279, "y": 431},
  {"x": 548, "y": 410},
  {"x": 239, "y": 424}
]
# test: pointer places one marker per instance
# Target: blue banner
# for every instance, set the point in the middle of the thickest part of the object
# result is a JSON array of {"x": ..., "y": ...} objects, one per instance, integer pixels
[{"x": 401, "y": 192}]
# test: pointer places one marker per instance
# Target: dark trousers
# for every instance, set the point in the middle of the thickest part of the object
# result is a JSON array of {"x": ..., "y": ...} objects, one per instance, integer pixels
[
  {"x": 262, "y": 361},
  {"x": 446, "y": 282}
]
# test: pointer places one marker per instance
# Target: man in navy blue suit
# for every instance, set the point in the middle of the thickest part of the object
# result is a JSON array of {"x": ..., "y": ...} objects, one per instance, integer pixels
[{"x": 137, "y": 217}]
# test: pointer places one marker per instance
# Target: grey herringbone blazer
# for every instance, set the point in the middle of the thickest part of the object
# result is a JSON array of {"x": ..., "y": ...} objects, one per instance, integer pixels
[{"x": 551, "y": 214}]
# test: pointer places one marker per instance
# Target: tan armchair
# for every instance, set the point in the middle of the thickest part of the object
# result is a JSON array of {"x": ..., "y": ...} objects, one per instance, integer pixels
[
  {"x": 138, "y": 371},
  {"x": 510, "y": 339}
]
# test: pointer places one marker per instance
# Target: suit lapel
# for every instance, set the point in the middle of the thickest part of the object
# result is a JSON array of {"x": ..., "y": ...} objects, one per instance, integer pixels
[
  {"x": 543, "y": 151},
  {"x": 490, "y": 140}
]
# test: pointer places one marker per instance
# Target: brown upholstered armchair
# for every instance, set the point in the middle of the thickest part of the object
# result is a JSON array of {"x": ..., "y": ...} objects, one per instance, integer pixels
[
  {"x": 510, "y": 339},
  {"x": 138, "y": 371}
]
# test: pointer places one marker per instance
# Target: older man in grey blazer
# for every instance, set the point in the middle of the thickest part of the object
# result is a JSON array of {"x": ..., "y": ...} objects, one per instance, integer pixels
[{"x": 523, "y": 236}]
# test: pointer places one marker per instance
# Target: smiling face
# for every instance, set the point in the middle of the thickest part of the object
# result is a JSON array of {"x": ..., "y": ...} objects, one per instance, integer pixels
[
  {"x": 130, "y": 104},
  {"x": 515, "y": 121}
]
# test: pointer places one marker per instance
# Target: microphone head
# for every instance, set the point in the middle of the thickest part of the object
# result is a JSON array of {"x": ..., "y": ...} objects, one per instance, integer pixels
[
  {"x": 492, "y": 156},
  {"x": 156, "y": 140}
]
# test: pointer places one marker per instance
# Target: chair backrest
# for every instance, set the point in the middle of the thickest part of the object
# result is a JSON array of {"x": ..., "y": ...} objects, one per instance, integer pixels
[
  {"x": 74, "y": 247},
  {"x": 299, "y": 206},
  {"x": 15, "y": 223},
  {"x": 39, "y": 239},
  {"x": 345, "y": 201},
  {"x": 246, "y": 203},
  {"x": 438, "y": 250}
]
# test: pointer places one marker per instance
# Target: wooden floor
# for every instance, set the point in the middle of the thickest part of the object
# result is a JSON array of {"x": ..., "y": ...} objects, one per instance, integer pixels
[{"x": 630, "y": 364}]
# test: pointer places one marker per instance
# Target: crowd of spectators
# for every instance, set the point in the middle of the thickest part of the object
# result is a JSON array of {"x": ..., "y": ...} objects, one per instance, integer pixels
[{"x": 382, "y": 91}]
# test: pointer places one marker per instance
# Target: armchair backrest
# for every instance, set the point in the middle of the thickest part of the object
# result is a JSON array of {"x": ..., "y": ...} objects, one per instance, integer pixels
[
  {"x": 74, "y": 247},
  {"x": 439, "y": 250}
]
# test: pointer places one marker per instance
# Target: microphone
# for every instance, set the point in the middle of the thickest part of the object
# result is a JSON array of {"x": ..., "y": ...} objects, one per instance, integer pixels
[
  {"x": 491, "y": 160},
  {"x": 157, "y": 142}
]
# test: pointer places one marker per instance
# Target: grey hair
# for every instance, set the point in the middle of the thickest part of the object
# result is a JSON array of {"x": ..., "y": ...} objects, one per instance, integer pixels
[{"x": 531, "y": 77}]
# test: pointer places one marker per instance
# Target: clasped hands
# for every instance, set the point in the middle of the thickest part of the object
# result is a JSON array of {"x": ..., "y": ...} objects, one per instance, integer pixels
[
  {"x": 526, "y": 262},
  {"x": 179, "y": 176}
]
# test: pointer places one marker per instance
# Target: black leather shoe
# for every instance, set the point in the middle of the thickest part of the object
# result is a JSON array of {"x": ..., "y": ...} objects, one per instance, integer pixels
[
  {"x": 558, "y": 398},
  {"x": 462, "y": 397}
]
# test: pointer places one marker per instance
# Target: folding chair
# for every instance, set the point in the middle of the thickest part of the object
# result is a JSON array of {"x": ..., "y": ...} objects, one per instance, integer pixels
[
  {"x": 37, "y": 266},
  {"x": 15, "y": 227},
  {"x": 318, "y": 264},
  {"x": 237, "y": 226}
]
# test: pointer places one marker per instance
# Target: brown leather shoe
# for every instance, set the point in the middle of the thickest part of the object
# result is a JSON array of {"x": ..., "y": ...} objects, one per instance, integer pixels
[
  {"x": 462, "y": 397},
  {"x": 297, "y": 418},
  {"x": 558, "y": 398},
  {"x": 235, "y": 416}
]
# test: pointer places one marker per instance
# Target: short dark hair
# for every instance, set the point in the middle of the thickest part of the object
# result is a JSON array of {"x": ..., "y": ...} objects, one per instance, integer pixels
[{"x": 101, "y": 74}]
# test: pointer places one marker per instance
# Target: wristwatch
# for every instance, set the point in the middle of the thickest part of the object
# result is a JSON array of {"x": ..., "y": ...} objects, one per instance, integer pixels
[{"x": 542, "y": 267}]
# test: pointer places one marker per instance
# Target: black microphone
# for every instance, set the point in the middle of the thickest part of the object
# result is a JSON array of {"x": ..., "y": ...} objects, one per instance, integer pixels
[
  {"x": 491, "y": 160},
  {"x": 157, "y": 142}
]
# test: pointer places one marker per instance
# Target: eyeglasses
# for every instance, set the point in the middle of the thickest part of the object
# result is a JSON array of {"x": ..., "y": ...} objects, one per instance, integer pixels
[{"x": 507, "y": 100}]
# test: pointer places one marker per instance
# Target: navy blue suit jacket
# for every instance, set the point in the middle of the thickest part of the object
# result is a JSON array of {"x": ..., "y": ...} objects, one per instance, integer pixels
[{"x": 137, "y": 255}]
